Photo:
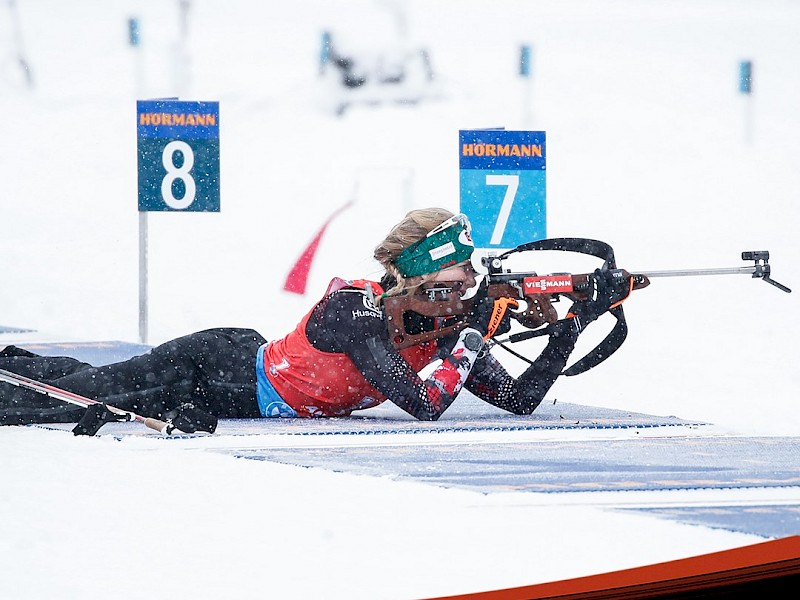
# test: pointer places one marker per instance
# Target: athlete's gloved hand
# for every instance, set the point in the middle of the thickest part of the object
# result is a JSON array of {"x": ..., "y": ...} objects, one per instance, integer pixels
[
  {"x": 490, "y": 316},
  {"x": 190, "y": 419},
  {"x": 601, "y": 296}
]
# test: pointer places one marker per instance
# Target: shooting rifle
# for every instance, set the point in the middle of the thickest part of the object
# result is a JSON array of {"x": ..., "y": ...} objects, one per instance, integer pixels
[{"x": 534, "y": 293}]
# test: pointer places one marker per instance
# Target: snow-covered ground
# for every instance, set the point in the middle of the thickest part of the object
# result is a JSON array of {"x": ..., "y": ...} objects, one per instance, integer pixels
[{"x": 650, "y": 148}]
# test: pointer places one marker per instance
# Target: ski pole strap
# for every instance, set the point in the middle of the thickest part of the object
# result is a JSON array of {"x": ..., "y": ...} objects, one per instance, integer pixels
[
  {"x": 498, "y": 312},
  {"x": 96, "y": 416}
]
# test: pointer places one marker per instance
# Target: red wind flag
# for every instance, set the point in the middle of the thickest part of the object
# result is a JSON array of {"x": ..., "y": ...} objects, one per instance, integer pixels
[{"x": 297, "y": 279}]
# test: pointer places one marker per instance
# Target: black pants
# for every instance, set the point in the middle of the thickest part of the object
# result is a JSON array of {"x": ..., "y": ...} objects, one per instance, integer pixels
[{"x": 213, "y": 369}]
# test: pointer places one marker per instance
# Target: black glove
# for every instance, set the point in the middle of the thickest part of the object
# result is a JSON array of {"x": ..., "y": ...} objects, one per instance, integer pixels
[
  {"x": 602, "y": 291},
  {"x": 189, "y": 419},
  {"x": 480, "y": 317}
]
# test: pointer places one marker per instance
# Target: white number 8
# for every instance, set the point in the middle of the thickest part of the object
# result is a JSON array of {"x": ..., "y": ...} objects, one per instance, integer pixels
[{"x": 174, "y": 173}]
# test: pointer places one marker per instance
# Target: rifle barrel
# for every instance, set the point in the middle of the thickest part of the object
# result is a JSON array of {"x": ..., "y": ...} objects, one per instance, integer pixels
[{"x": 688, "y": 272}]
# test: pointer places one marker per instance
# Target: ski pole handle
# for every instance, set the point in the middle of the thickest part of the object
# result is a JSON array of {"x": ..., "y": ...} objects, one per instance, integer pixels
[{"x": 162, "y": 427}]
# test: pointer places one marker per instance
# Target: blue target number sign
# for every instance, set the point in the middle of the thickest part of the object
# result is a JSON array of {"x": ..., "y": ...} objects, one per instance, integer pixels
[
  {"x": 503, "y": 186},
  {"x": 178, "y": 147}
]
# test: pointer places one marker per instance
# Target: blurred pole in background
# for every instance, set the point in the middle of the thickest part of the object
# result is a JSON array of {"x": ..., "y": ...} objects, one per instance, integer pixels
[
  {"x": 746, "y": 88},
  {"x": 135, "y": 41},
  {"x": 180, "y": 65},
  {"x": 526, "y": 72},
  {"x": 324, "y": 51},
  {"x": 397, "y": 8},
  {"x": 19, "y": 46}
]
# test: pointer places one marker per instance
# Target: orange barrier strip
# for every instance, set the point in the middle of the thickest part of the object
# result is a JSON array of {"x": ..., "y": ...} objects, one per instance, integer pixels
[{"x": 747, "y": 569}]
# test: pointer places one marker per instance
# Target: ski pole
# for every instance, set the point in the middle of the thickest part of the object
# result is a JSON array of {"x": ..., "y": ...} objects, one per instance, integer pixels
[{"x": 78, "y": 400}]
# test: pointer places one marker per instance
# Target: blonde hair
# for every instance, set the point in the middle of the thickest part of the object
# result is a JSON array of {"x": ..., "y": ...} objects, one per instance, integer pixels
[{"x": 414, "y": 227}]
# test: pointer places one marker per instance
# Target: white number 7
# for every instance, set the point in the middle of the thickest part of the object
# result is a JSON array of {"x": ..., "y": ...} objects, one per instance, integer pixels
[{"x": 512, "y": 181}]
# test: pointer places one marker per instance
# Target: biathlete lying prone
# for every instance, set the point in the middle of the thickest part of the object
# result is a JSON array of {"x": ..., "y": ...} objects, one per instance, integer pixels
[{"x": 338, "y": 359}]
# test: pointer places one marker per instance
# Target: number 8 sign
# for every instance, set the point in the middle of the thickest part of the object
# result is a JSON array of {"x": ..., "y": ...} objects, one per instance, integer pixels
[
  {"x": 503, "y": 189},
  {"x": 178, "y": 147}
]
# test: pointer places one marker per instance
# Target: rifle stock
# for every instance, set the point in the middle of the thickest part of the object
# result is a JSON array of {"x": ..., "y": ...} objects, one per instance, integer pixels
[
  {"x": 534, "y": 288},
  {"x": 535, "y": 291}
]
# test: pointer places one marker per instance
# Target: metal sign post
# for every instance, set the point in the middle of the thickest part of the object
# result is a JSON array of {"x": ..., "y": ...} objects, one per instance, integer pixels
[{"x": 178, "y": 167}]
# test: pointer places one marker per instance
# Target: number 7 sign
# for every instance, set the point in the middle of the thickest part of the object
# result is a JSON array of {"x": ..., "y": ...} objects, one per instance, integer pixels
[{"x": 503, "y": 186}]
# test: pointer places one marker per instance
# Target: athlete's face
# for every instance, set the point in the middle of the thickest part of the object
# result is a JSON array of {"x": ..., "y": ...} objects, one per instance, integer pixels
[{"x": 461, "y": 272}]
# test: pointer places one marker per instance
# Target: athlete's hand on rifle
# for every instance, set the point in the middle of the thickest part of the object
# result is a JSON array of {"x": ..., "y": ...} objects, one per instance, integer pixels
[
  {"x": 603, "y": 292},
  {"x": 490, "y": 316}
]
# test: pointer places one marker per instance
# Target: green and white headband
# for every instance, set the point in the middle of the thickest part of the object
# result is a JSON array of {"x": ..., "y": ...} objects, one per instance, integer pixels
[{"x": 446, "y": 245}]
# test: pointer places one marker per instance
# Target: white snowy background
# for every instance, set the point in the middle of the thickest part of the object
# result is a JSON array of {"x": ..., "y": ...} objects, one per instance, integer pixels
[{"x": 650, "y": 146}]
